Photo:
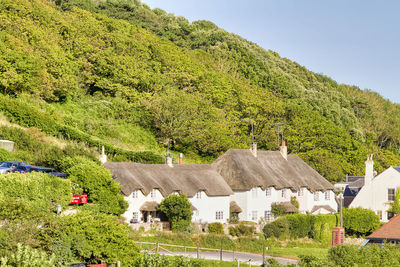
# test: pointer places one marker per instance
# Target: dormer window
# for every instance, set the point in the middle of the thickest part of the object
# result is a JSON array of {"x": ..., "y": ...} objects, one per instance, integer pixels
[
  {"x": 198, "y": 195},
  {"x": 153, "y": 193},
  {"x": 327, "y": 195},
  {"x": 268, "y": 191},
  {"x": 284, "y": 193},
  {"x": 135, "y": 194}
]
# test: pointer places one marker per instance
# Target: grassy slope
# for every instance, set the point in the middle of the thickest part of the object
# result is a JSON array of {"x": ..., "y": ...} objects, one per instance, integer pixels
[{"x": 111, "y": 81}]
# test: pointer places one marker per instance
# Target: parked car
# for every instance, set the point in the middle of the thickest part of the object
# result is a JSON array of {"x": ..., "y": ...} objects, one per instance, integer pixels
[
  {"x": 32, "y": 168},
  {"x": 9, "y": 166}
]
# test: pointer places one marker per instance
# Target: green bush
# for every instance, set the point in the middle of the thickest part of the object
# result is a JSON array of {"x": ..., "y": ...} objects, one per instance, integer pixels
[
  {"x": 322, "y": 227},
  {"x": 178, "y": 210},
  {"x": 360, "y": 222},
  {"x": 96, "y": 182},
  {"x": 216, "y": 228},
  {"x": 28, "y": 257},
  {"x": 90, "y": 238},
  {"x": 242, "y": 230}
]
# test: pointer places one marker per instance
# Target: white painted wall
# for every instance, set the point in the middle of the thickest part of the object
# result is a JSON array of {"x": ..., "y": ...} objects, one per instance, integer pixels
[
  {"x": 136, "y": 202},
  {"x": 208, "y": 206},
  {"x": 374, "y": 196}
]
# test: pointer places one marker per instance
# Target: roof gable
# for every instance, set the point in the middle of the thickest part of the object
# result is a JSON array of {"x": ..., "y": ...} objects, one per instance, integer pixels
[{"x": 390, "y": 230}]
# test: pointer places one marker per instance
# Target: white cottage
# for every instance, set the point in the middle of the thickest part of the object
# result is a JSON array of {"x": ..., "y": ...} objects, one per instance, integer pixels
[
  {"x": 261, "y": 178},
  {"x": 146, "y": 185},
  {"x": 378, "y": 190}
]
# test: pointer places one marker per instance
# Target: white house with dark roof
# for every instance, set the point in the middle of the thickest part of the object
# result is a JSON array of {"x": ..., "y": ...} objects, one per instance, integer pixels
[
  {"x": 378, "y": 190},
  {"x": 261, "y": 178},
  {"x": 146, "y": 185}
]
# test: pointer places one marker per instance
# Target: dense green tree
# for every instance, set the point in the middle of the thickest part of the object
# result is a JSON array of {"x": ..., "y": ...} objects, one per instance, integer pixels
[{"x": 178, "y": 210}]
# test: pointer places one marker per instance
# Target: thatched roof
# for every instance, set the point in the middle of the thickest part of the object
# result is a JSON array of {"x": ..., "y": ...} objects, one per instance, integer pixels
[
  {"x": 289, "y": 207},
  {"x": 242, "y": 171},
  {"x": 234, "y": 207},
  {"x": 149, "y": 206},
  {"x": 184, "y": 178},
  {"x": 326, "y": 207}
]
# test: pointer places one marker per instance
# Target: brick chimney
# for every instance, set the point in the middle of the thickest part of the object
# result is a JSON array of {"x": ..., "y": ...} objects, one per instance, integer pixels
[
  {"x": 369, "y": 170},
  {"x": 103, "y": 156},
  {"x": 253, "y": 149},
  {"x": 180, "y": 158},
  {"x": 283, "y": 149},
  {"x": 168, "y": 160}
]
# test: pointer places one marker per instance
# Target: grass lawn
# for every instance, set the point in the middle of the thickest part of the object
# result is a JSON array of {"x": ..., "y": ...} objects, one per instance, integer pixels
[{"x": 296, "y": 252}]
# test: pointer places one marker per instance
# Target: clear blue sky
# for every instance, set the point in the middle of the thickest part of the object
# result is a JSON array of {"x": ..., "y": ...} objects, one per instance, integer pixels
[{"x": 356, "y": 42}]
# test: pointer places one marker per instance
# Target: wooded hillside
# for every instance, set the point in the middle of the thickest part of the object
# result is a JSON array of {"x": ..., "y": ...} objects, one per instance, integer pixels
[{"x": 120, "y": 74}]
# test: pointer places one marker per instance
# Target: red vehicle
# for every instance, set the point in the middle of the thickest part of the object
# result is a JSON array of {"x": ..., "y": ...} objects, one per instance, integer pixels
[{"x": 78, "y": 199}]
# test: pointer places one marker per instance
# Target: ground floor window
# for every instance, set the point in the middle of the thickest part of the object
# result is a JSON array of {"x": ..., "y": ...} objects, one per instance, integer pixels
[
  {"x": 219, "y": 215},
  {"x": 379, "y": 213},
  {"x": 254, "y": 215},
  {"x": 268, "y": 216},
  {"x": 390, "y": 215}
]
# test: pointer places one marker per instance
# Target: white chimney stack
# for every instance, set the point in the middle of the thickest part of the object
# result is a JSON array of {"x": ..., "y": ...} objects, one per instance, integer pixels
[
  {"x": 369, "y": 170},
  {"x": 283, "y": 149},
  {"x": 103, "y": 156},
  {"x": 168, "y": 160},
  {"x": 253, "y": 149}
]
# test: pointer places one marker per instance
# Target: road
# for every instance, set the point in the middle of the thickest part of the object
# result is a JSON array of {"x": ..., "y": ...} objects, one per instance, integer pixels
[{"x": 256, "y": 259}]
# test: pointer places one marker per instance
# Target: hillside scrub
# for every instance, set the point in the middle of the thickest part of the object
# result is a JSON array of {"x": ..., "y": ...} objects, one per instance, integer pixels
[{"x": 151, "y": 76}]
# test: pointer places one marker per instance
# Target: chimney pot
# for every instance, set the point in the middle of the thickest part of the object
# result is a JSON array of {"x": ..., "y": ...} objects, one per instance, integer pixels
[
  {"x": 180, "y": 158},
  {"x": 253, "y": 149},
  {"x": 283, "y": 149}
]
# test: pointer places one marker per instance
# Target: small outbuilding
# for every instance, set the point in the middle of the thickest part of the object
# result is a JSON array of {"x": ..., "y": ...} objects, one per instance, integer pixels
[{"x": 387, "y": 233}]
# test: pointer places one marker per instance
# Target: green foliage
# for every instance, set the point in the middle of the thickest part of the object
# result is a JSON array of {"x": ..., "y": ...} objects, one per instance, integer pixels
[
  {"x": 101, "y": 81},
  {"x": 157, "y": 260},
  {"x": 178, "y": 210},
  {"x": 5, "y": 155},
  {"x": 365, "y": 256},
  {"x": 242, "y": 230},
  {"x": 26, "y": 256},
  {"x": 96, "y": 182},
  {"x": 318, "y": 227},
  {"x": 360, "y": 222},
  {"x": 216, "y": 228},
  {"x": 294, "y": 201},
  {"x": 277, "y": 209},
  {"x": 394, "y": 206},
  {"x": 90, "y": 238}
]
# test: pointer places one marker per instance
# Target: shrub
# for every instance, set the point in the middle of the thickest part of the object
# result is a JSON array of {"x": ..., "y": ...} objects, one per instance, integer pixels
[
  {"x": 278, "y": 209},
  {"x": 322, "y": 227},
  {"x": 360, "y": 222},
  {"x": 216, "y": 228},
  {"x": 271, "y": 230},
  {"x": 178, "y": 210},
  {"x": 242, "y": 230},
  {"x": 96, "y": 182},
  {"x": 26, "y": 256},
  {"x": 300, "y": 225}
]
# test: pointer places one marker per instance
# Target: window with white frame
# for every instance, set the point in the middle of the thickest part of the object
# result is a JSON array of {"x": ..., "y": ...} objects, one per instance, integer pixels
[
  {"x": 254, "y": 192},
  {"x": 268, "y": 192},
  {"x": 391, "y": 194},
  {"x": 153, "y": 193},
  {"x": 327, "y": 195},
  {"x": 135, "y": 193},
  {"x": 135, "y": 216},
  {"x": 268, "y": 215},
  {"x": 379, "y": 213},
  {"x": 254, "y": 215},
  {"x": 219, "y": 215},
  {"x": 198, "y": 195},
  {"x": 316, "y": 196}
]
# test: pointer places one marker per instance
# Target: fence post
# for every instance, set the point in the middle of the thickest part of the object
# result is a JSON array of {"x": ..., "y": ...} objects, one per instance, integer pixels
[
  {"x": 220, "y": 253},
  {"x": 185, "y": 249},
  {"x": 263, "y": 252},
  {"x": 233, "y": 254},
  {"x": 157, "y": 246},
  {"x": 198, "y": 250}
]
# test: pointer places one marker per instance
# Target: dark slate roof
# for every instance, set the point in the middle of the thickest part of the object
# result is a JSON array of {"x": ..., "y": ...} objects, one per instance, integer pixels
[
  {"x": 397, "y": 168},
  {"x": 187, "y": 179},
  {"x": 354, "y": 187},
  {"x": 242, "y": 171},
  {"x": 389, "y": 231}
]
